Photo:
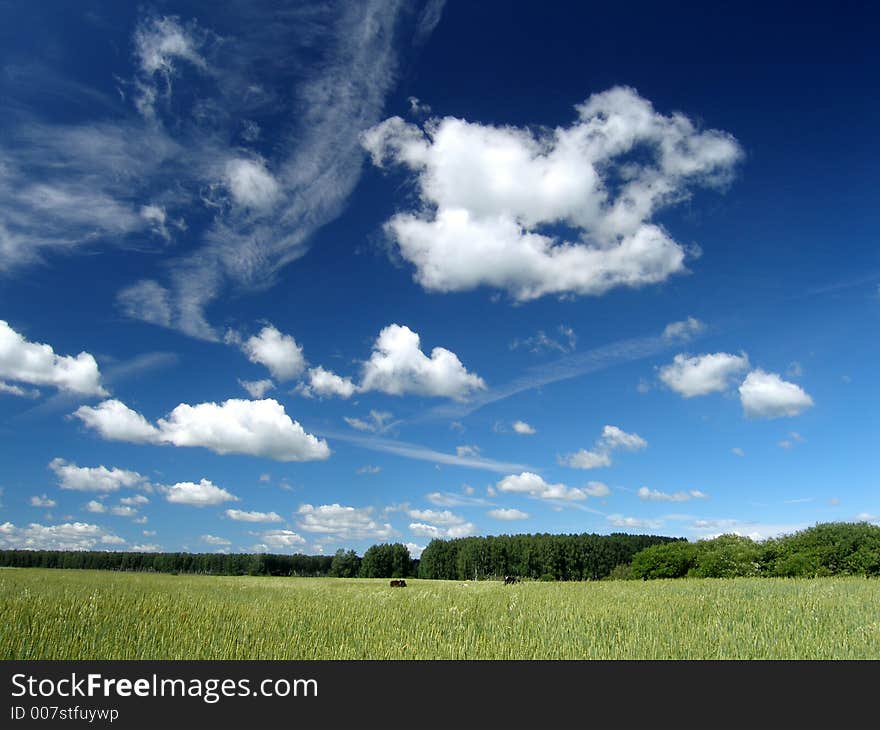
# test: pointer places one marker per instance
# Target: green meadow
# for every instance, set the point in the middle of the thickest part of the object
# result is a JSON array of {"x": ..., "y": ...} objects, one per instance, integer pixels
[{"x": 72, "y": 614}]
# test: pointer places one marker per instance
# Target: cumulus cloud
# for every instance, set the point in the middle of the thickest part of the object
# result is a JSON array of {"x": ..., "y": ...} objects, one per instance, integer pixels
[
  {"x": 633, "y": 523},
  {"x": 684, "y": 329},
  {"x": 279, "y": 540},
  {"x": 42, "y": 501},
  {"x": 397, "y": 366},
  {"x": 655, "y": 495},
  {"x": 534, "y": 486},
  {"x": 17, "y": 390},
  {"x": 421, "y": 529},
  {"x": 66, "y": 536},
  {"x": 257, "y": 388},
  {"x": 703, "y": 374},
  {"x": 508, "y": 514},
  {"x": 612, "y": 439},
  {"x": 203, "y": 494},
  {"x": 36, "y": 363},
  {"x": 596, "y": 489},
  {"x": 487, "y": 193},
  {"x": 767, "y": 395},
  {"x": 254, "y": 427},
  {"x": 323, "y": 382},
  {"x": 523, "y": 428},
  {"x": 137, "y": 500},
  {"x": 146, "y": 547},
  {"x": 215, "y": 540},
  {"x": 356, "y": 523},
  {"x": 444, "y": 517},
  {"x": 278, "y": 352},
  {"x": 415, "y": 551},
  {"x": 96, "y": 478},
  {"x": 243, "y": 516},
  {"x": 116, "y": 421}
]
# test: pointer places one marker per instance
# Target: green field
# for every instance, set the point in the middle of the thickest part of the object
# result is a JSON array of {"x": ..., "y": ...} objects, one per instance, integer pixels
[{"x": 71, "y": 614}]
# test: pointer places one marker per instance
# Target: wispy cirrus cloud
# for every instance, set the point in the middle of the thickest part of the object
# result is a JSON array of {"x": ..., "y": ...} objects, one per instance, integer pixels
[{"x": 180, "y": 159}]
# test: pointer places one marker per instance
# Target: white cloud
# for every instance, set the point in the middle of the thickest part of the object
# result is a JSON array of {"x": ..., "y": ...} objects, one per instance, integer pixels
[
  {"x": 340, "y": 521},
  {"x": 215, "y": 540},
  {"x": 634, "y": 523},
  {"x": 710, "y": 528},
  {"x": 596, "y": 489},
  {"x": 19, "y": 391},
  {"x": 508, "y": 514},
  {"x": 67, "y": 536},
  {"x": 376, "y": 424},
  {"x": 243, "y": 516},
  {"x": 278, "y": 352},
  {"x": 43, "y": 501},
  {"x": 612, "y": 439},
  {"x": 251, "y": 184},
  {"x": 453, "y": 499},
  {"x": 279, "y": 540},
  {"x": 96, "y": 507},
  {"x": 793, "y": 438},
  {"x": 397, "y": 366},
  {"x": 326, "y": 383},
  {"x": 487, "y": 192},
  {"x": 97, "y": 478},
  {"x": 368, "y": 469},
  {"x": 263, "y": 213},
  {"x": 123, "y": 510},
  {"x": 203, "y": 494},
  {"x": 36, "y": 363},
  {"x": 257, "y": 388},
  {"x": 535, "y": 486},
  {"x": 415, "y": 551},
  {"x": 584, "y": 459},
  {"x": 420, "y": 529},
  {"x": 467, "y": 450},
  {"x": 684, "y": 329},
  {"x": 654, "y": 495},
  {"x": 541, "y": 342},
  {"x": 116, "y": 421},
  {"x": 445, "y": 517},
  {"x": 138, "y": 499},
  {"x": 255, "y": 427},
  {"x": 766, "y": 395},
  {"x": 703, "y": 374},
  {"x": 161, "y": 41},
  {"x": 149, "y": 547},
  {"x": 523, "y": 428}
]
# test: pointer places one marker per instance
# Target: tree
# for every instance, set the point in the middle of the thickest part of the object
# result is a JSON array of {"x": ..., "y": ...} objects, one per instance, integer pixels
[{"x": 346, "y": 564}]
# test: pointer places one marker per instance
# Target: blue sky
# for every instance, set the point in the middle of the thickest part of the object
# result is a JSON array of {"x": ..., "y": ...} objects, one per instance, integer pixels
[{"x": 299, "y": 278}]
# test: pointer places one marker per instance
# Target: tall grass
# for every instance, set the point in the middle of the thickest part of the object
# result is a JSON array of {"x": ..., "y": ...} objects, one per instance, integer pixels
[{"x": 54, "y": 614}]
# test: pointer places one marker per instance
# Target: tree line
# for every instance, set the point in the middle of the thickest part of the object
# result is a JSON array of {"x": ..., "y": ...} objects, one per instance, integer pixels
[
  {"x": 204, "y": 563},
  {"x": 826, "y": 549},
  {"x": 836, "y": 548},
  {"x": 538, "y": 556}
]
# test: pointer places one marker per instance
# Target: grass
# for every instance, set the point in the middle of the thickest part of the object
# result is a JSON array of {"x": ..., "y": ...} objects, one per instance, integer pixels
[{"x": 70, "y": 614}]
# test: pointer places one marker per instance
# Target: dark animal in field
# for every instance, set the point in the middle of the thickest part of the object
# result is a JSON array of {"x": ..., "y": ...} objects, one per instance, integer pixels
[
  {"x": 398, "y": 583},
  {"x": 508, "y": 579}
]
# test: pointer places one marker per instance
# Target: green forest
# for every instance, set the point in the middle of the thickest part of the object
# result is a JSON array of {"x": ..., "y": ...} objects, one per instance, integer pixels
[{"x": 827, "y": 549}]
